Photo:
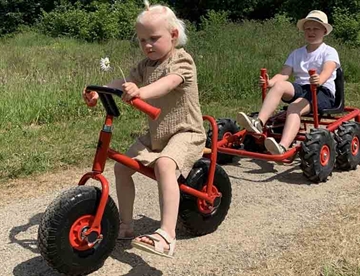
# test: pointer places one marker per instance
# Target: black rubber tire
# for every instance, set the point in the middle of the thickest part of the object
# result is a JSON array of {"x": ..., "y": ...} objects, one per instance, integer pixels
[
  {"x": 224, "y": 125},
  {"x": 310, "y": 155},
  {"x": 251, "y": 145},
  {"x": 344, "y": 136},
  {"x": 193, "y": 220},
  {"x": 55, "y": 225}
]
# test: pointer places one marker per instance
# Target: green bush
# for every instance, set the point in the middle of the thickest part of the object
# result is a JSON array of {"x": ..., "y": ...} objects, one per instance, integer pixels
[
  {"x": 213, "y": 19},
  {"x": 95, "y": 22},
  {"x": 347, "y": 26}
]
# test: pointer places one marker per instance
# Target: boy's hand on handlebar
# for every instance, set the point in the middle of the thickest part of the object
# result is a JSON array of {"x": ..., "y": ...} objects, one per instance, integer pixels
[
  {"x": 262, "y": 81},
  {"x": 90, "y": 97},
  {"x": 130, "y": 90},
  {"x": 315, "y": 79}
]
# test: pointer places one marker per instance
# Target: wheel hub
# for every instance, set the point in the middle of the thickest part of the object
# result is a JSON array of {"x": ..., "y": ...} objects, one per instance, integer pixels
[
  {"x": 324, "y": 155},
  {"x": 205, "y": 207},
  {"x": 77, "y": 237},
  {"x": 355, "y": 146}
]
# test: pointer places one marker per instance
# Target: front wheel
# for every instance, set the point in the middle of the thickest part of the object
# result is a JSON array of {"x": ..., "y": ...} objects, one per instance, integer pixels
[
  {"x": 60, "y": 231},
  {"x": 196, "y": 215}
]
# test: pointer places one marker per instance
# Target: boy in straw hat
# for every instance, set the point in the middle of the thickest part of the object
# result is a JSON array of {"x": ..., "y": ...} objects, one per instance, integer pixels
[{"x": 314, "y": 55}]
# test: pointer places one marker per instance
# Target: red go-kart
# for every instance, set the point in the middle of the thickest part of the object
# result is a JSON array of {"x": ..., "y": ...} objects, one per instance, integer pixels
[{"x": 327, "y": 139}]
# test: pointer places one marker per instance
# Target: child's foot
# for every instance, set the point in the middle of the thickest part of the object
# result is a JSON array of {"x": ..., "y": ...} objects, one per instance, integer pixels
[
  {"x": 126, "y": 231},
  {"x": 274, "y": 147},
  {"x": 159, "y": 243},
  {"x": 250, "y": 124}
]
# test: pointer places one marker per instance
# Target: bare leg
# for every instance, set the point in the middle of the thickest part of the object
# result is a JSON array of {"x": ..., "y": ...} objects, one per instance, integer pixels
[
  {"x": 281, "y": 90},
  {"x": 125, "y": 191},
  {"x": 292, "y": 124},
  {"x": 169, "y": 196}
]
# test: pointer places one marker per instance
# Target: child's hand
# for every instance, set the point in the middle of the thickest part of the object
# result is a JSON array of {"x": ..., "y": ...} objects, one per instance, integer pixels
[
  {"x": 130, "y": 90},
  {"x": 262, "y": 81},
  {"x": 315, "y": 79},
  {"x": 90, "y": 98}
]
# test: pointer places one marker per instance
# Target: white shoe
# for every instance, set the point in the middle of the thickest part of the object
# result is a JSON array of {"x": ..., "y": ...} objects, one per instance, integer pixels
[
  {"x": 274, "y": 147},
  {"x": 250, "y": 124}
]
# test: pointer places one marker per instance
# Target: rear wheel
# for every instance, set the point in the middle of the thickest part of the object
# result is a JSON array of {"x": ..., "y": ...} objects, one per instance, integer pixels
[
  {"x": 317, "y": 155},
  {"x": 60, "y": 233},
  {"x": 197, "y": 216},
  {"x": 348, "y": 153},
  {"x": 224, "y": 126}
]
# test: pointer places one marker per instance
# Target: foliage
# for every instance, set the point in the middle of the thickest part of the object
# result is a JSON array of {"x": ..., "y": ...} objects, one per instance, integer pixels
[
  {"x": 94, "y": 22},
  {"x": 347, "y": 26},
  {"x": 45, "y": 124}
]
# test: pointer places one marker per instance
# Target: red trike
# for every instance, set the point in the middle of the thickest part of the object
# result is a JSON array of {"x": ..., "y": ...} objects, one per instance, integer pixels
[
  {"x": 333, "y": 139},
  {"x": 78, "y": 231}
]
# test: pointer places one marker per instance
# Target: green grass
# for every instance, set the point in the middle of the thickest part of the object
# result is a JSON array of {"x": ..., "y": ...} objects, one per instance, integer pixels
[
  {"x": 341, "y": 269},
  {"x": 45, "y": 125}
]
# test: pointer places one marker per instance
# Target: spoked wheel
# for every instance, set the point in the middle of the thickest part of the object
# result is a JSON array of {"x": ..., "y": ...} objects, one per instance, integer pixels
[
  {"x": 317, "y": 155},
  {"x": 348, "y": 137},
  {"x": 224, "y": 126},
  {"x": 61, "y": 231},
  {"x": 197, "y": 215}
]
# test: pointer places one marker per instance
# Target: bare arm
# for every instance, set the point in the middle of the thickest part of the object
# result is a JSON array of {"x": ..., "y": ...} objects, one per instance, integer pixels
[
  {"x": 156, "y": 89},
  {"x": 160, "y": 87},
  {"x": 325, "y": 74}
]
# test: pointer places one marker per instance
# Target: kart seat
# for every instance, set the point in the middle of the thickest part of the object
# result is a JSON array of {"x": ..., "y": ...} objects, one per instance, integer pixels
[{"x": 339, "y": 94}]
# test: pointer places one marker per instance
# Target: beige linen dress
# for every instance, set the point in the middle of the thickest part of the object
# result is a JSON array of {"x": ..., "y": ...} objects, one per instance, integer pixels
[{"x": 178, "y": 133}]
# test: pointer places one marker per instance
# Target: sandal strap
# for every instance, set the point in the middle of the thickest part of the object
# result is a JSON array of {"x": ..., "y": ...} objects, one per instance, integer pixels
[
  {"x": 171, "y": 242},
  {"x": 164, "y": 235},
  {"x": 157, "y": 243},
  {"x": 158, "y": 246}
]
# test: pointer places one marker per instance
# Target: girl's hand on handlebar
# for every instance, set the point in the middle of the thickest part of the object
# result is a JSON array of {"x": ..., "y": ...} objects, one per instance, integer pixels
[
  {"x": 90, "y": 98},
  {"x": 315, "y": 79},
  {"x": 130, "y": 90}
]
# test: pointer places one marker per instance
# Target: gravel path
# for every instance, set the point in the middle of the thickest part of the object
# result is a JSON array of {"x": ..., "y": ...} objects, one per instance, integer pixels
[{"x": 271, "y": 205}]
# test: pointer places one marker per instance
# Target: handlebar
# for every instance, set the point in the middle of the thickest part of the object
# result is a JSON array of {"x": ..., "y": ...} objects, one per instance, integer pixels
[
  {"x": 265, "y": 84},
  {"x": 151, "y": 111},
  {"x": 313, "y": 89}
]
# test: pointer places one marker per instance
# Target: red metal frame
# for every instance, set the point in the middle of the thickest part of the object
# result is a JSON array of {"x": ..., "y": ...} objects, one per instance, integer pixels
[
  {"x": 331, "y": 122},
  {"x": 206, "y": 197}
]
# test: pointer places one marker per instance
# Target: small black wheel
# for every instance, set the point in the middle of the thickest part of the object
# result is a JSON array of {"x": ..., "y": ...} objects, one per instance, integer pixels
[
  {"x": 61, "y": 226},
  {"x": 348, "y": 154},
  {"x": 196, "y": 215},
  {"x": 252, "y": 144},
  {"x": 224, "y": 125},
  {"x": 318, "y": 155}
]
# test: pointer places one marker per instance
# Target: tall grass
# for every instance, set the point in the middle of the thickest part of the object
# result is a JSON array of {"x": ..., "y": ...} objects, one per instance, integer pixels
[{"x": 44, "y": 123}]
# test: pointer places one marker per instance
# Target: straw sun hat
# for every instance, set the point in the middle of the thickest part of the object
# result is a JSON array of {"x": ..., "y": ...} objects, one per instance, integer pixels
[{"x": 317, "y": 16}]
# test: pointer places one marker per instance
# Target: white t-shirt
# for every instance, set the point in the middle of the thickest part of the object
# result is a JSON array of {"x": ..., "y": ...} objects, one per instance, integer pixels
[{"x": 301, "y": 62}]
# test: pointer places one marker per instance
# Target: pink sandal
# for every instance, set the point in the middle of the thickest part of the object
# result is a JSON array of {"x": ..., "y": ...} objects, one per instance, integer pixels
[{"x": 157, "y": 248}]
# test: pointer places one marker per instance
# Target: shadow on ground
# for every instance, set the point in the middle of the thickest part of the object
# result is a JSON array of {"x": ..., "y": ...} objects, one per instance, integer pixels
[
  {"x": 291, "y": 175},
  {"x": 38, "y": 266}
]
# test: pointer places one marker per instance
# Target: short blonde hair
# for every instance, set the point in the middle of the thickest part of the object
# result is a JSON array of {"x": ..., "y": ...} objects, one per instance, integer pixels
[{"x": 169, "y": 16}]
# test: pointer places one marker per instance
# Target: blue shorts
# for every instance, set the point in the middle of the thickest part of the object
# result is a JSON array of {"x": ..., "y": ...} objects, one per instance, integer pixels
[{"x": 325, "y": 98}]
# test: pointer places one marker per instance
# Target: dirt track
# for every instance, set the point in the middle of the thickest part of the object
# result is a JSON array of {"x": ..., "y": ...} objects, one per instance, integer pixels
[{"x": 278, "y": 224}]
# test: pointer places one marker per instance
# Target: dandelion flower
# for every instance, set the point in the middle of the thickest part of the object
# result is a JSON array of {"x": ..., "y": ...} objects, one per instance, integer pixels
[{"x": 105, "y": 64}]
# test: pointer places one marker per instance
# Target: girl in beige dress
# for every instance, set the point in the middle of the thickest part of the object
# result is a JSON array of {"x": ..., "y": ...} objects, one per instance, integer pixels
[{"x": 167, "y": 79}]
